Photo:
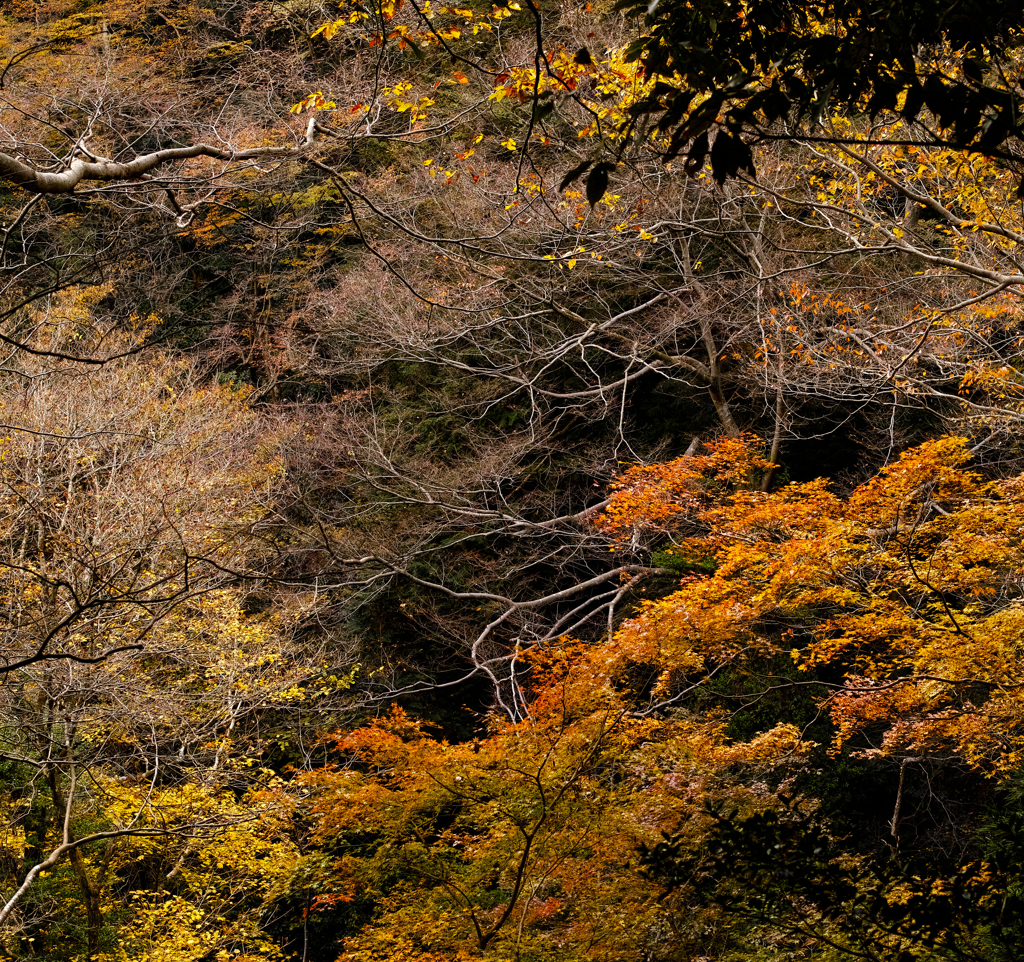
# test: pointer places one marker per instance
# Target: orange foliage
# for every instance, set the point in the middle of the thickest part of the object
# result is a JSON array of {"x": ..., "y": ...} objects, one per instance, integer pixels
[
  {"x": 910, "y": 587},
  {"x": 525, "y": 840},
  {"x": 657, "y": 495}
]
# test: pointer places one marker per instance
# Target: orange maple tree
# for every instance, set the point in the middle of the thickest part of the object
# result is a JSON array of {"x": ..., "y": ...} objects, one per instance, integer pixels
[
  {"x": 908, "y": 590},
  {"x": 526, "y": 840}
]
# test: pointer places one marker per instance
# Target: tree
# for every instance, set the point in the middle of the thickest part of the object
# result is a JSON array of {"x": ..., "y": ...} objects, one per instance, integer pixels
[
  {"x": 788, "y": 871},
  {"x": 905, "y": 587},
  {"x": 947, "y": 73},
  {"x": 524, "y": 839},
  {"x": 893, "y": 607},
  {"x": 137, "y": 656},
  {"x": 202, "y": 894},
  {"x": 896, "y": 604},
  {"x": 58, "y": 144}
]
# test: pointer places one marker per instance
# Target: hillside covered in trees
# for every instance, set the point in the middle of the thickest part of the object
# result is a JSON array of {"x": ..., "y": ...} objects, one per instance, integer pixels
[{"x": 511, "y": 482}]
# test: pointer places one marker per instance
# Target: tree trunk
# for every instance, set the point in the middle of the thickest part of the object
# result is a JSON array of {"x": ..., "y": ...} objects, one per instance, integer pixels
[{"x": 89, "y": 886}]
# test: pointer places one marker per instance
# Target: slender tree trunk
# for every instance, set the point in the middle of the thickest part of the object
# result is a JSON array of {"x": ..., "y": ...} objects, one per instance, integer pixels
[
  {"x": 773, "y": 455},
  {"x": 91, "y": 892},
  {"x": 89, "y": 886}
]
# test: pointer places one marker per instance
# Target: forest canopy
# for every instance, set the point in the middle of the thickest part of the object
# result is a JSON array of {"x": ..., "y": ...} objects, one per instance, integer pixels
[{"x": 511, "y": 481}]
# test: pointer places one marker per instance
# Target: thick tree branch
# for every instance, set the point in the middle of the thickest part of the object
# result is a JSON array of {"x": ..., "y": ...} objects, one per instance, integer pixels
[{"x": 102, "y": 170}]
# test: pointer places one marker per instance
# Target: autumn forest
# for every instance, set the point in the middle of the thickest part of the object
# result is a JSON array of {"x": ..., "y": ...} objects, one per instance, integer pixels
[{"x": 514, "y": 482}]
